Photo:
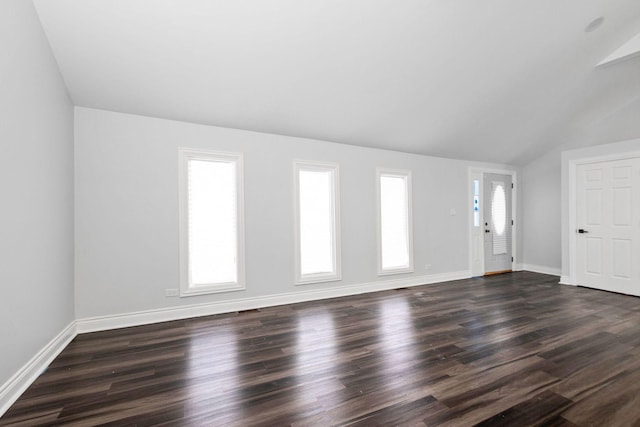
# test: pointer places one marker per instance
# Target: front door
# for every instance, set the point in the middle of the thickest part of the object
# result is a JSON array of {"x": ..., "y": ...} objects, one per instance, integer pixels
[
  {"x": 608, "y": 225},
  {"x": 497, "y": 223}
]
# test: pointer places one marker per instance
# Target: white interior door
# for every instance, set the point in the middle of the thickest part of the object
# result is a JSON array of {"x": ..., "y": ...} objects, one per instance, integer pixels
[
  {"x": 608, "y": 225},
  {"x": 497, "y": 223}
]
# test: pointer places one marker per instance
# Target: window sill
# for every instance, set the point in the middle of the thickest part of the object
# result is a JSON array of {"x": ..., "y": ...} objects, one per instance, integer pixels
[
  {"x": 211, "y": 289},
  {"x": 307, "y": 280}
]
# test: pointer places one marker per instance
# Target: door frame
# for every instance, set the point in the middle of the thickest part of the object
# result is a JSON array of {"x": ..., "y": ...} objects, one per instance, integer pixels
[
  {"x": 573, "y": 200},
  {"x": 477, "y": 173}
]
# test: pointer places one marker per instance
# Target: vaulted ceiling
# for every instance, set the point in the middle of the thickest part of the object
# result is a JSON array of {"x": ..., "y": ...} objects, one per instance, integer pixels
[{"x": 495, "y": 80}]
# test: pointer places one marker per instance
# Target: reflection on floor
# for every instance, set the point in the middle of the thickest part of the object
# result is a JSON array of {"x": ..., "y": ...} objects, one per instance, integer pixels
[{"x": 515, "y": 349}]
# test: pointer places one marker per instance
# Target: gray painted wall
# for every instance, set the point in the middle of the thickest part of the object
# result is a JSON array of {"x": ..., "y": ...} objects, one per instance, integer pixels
[
  {"x": 541, "y": 215},
  {"x": 36, "y": 186},
  {"x": 126, "y": 191}
]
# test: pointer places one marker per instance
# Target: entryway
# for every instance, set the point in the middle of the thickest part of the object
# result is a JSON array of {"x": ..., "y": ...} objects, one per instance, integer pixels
[
  {"x": 497, "y": 223},
  {"x": 492, "y": 224}
]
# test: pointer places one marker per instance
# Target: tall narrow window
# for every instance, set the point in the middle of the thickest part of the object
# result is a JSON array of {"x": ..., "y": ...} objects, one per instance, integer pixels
[
  {"x": 211, "y": 222},
  {"x": 317, "y": 222},
  {"x": 395, "y": 241}
]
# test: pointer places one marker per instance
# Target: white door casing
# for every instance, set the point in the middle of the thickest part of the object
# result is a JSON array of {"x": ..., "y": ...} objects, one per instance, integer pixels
[
  {"x": 476, "y": 193},
  {"x": 608, "y": 225}
]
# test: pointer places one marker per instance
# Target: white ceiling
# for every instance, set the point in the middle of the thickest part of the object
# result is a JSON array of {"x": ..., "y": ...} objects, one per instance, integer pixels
[{"x": 497, "y": 80}]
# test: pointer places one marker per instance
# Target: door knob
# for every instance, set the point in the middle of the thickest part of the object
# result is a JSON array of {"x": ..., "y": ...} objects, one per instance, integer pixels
[{"x": 581, "y": 231}]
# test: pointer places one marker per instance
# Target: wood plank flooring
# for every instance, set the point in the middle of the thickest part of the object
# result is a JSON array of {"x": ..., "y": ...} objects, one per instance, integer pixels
[{"x": 515, "y": 349}]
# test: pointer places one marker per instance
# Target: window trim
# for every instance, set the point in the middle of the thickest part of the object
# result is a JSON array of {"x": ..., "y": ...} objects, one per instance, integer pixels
[
  {"x": 380, "y": 172},
  {"x": 184, "y": 156},
  {"x": 300, "y": 279}
]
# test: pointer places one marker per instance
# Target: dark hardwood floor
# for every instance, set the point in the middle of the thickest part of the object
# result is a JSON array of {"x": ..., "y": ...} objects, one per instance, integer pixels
[{"x": 514, "y": 349}]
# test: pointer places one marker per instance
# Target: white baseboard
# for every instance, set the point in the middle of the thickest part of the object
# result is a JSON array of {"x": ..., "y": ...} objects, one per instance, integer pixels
[
  {"x": 21, "y": 380},
  {"x": 542, "y": 269},
  {"x": 11, "y": 390},
  {"x": 518, "y": 267},
  {"x": 176, "y": 313},
  {"x": 566, "y": 280}
]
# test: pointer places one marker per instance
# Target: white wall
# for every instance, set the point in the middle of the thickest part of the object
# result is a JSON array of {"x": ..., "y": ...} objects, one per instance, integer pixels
[
  {"x": 127, "y": 210},
  {"x": 36, "y": 186}
]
